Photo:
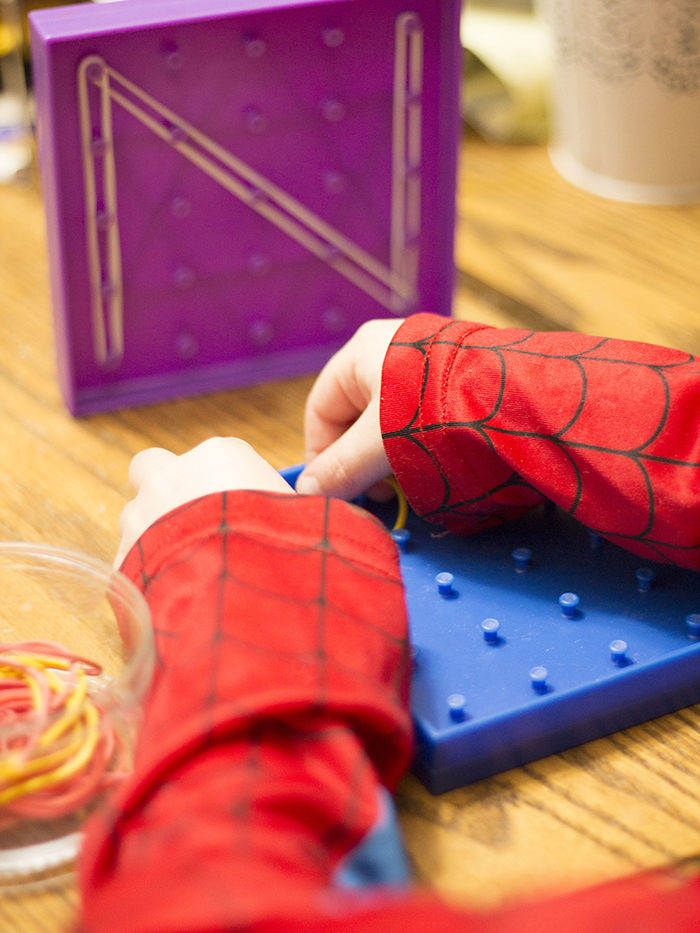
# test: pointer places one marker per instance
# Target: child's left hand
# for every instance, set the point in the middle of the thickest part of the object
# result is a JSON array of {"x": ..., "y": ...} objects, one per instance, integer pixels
[{"x": 164, "y": 481}]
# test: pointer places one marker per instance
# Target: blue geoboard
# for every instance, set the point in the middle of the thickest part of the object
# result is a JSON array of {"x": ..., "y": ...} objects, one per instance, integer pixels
[{"x": 536, "y": 636}]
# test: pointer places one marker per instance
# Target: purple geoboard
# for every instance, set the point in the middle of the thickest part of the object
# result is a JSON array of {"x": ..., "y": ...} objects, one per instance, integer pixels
[{"x": 232, "y": 187}]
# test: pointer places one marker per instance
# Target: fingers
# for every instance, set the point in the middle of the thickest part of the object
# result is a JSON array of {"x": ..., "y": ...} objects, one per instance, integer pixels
[
  {"x": 145, "y": 462},
  {"x": 350, "y": 465},
  {"x": 226, "y": 463},
  {"x": 344, "y": 449},
  {"x": 164, "y": 481},
  {"x": 330, "y": 408}
]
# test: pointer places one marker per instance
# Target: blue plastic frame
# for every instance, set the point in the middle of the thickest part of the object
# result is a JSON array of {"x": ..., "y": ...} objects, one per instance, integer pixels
[{"x": 478, "y": 707}]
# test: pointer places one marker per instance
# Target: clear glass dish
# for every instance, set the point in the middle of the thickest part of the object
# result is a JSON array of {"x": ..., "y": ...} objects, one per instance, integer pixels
[{"x": 60, "y": 757}]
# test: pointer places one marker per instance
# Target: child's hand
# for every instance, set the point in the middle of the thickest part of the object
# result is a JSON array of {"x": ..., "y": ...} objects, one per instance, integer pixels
[
  {"x": 344, "y": 449},
  {"x": 164, "y": 481}
]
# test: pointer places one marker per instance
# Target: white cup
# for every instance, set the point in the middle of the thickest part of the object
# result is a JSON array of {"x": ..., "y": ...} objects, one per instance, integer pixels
[{"x": 626, "y": 97}]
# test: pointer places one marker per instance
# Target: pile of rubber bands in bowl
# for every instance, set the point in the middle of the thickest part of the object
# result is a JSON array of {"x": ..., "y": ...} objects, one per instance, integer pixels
[{"x": 58, "y": 745}]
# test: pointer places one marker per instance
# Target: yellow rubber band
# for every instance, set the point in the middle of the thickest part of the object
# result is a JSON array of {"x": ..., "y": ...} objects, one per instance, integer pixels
[
  {"x": 35, "y": 761},
  {"x": 73, "y": 709},
  {"x": 402, "y": 513}
]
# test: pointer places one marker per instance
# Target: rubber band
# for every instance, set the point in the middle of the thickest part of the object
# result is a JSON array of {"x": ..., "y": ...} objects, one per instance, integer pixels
[
  {"x": 402, "y": 513},
  {"x": 58, "y": 748}
]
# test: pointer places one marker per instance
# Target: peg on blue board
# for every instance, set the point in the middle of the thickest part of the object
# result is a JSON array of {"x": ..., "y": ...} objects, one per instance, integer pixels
[
  {"x": 455, "y": 705},
  {"x": 521, "y": 556},
  {"x": 538, "y": 678},
  {"x": 490, "y": 628},
  {"x": 401, "y": 536},
  {"x": 618, "y": 652},
  {"x": 444, "y": 583},
  {"x": 569, "y": 604},
  {"x": 693, "y": 623},
  {"x": 644, "y": 577}
]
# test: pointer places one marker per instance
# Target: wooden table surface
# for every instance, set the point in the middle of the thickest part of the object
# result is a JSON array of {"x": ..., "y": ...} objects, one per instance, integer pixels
[{"x": 532, "y": 251}]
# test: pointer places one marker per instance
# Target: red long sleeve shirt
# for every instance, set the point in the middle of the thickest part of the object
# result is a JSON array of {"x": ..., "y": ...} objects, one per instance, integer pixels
[
  {"x": 279, "y": 700},
  {"x": 479, "y": 424}
]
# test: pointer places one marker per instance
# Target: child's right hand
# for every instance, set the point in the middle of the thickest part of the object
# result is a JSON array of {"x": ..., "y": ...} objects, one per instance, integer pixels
[{"x": 344, "y": 448}]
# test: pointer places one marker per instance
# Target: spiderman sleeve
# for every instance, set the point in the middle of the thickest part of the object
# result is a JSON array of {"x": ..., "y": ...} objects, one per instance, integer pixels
[
  {"x": 278, "y": 704},
  {"x": 481, "y": 424}
]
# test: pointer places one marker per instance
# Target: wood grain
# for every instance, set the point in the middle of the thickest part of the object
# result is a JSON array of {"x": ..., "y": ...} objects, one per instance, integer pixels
[
  {"x": 532, "y": 251},
  {"x": 540, "y": 251}
]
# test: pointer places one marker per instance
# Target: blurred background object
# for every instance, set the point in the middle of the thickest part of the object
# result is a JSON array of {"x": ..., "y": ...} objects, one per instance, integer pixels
[
  {"x": 626, "y": 97},
  {"x": 15, "y": 121},
  {"x": 17, "y": 162},
  {"x": 506, "y": 71}
]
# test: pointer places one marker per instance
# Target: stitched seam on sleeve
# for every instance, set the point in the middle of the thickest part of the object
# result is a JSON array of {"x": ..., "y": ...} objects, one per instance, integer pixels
[{"x": 169, "y": 552}]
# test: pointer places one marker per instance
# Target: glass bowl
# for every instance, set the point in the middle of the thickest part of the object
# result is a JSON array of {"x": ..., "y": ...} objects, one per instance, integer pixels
[{"x": 69, "y": 710}]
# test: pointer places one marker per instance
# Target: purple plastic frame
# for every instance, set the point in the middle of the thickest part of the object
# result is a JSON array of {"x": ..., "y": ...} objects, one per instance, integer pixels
[{"x": 231, "y": 188}]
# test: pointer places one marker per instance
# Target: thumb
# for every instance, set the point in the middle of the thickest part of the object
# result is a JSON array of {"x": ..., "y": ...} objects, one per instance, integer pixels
[{"x": 351, "y": 464}]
